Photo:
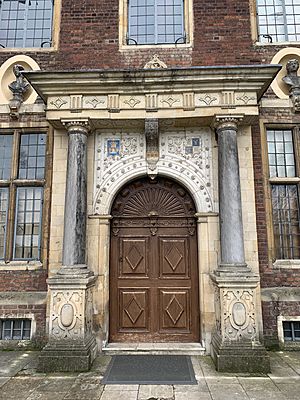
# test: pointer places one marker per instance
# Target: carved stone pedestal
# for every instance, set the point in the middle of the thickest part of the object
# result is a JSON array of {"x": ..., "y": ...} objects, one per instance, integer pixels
[
  {"x": 71, "y": 346},
  {"x": 235, "y": 343}
]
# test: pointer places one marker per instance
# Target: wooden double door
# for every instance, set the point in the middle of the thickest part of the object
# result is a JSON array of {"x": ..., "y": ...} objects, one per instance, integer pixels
[{"x": 153, "y": 265}]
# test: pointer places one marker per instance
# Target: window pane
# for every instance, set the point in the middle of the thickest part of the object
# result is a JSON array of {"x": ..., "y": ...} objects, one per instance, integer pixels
[
  {"x": 28, "y": 223},
  {"x": 155, "y": 21},
  {"x": 5, "y": 156},
  {"x": 285, "y": 204},
  {"x": 28, "y": 20},
  {"x": 278, "y": 20},
  {"x": 17, "y": 329},
  {"x": 3, "y": 219},
  {"x": 32, "y": 156},
  {"x": 281, "y": 153}
]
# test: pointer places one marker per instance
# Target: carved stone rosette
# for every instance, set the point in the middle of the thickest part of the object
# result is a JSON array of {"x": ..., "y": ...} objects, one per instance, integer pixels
[
  {"x": 71, "y": 345},
  {"x": 235, "y": 342}
]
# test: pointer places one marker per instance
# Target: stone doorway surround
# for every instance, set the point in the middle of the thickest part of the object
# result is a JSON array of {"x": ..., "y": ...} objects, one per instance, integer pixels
[{"x": 159, "y": 104}]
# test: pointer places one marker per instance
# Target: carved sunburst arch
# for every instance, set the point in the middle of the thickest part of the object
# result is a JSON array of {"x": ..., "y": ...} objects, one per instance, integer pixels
[{"x": 145, "y": 197}]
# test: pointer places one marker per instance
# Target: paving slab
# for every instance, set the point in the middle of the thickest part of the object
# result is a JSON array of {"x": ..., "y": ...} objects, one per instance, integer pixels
[
  {"x": 11, "y": 362},
  {"x": 119, "y": 395},
  {"x": 230, "y": 391},
  {"x": 155, "y": 391}
]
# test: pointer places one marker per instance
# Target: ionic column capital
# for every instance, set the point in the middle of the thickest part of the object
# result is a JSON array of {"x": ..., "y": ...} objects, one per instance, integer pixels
[
  {"x": 227, "y": 122},
  {"x": 77, "y": 126}
]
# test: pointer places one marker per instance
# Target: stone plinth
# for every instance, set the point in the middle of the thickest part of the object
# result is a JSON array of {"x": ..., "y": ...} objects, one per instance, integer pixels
[
  {"x": 71, "y": 346},
  {"x": 235, "y": 342}
]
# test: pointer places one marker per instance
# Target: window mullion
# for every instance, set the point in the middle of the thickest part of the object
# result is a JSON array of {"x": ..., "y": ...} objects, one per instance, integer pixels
[
  {"x": 285, "y": 21},
  {"x": 155, "y": 22},
  {"x": 26, "y": 22}
]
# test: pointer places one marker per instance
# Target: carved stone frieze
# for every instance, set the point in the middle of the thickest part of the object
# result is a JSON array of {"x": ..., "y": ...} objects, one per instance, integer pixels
[
  {"x": 58, "y": 102},
  {"x": 183, "y": 155}
]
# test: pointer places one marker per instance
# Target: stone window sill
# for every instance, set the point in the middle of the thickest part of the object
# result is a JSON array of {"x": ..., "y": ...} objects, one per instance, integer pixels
[
  {"x": 290, "y": 264},
  {"x": 20, "y": 265}
]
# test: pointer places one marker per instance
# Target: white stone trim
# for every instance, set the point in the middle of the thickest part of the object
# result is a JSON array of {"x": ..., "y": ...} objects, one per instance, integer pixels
[{"x": 280, "y": 320}]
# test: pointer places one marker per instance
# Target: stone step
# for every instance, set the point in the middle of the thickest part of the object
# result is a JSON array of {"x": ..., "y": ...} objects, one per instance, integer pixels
[{"x": 189, "y": 349}]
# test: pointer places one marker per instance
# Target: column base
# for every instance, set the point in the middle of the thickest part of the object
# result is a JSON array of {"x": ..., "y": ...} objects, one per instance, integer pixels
[
  {"x": 250, "y": 357},
  {"x": 71, "y": 346},
  {"x": 67, "y": 357}
]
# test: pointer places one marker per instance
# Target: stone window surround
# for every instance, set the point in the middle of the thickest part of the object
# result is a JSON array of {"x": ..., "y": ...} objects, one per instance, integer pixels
[
  {"x": 188, "y": 25},
  {"x": 55, "y": 34},
  {"x": 29, "y": 316},
  {"x": 276, "y": 263},
  {"x": 280, "y": 320},
  {"x": 254, "y": 29}
]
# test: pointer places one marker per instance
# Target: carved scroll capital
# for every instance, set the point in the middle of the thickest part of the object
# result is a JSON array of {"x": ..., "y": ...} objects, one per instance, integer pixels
[
  {"x": 77, "y": 126},
  {"x": 227, "y": 122}
]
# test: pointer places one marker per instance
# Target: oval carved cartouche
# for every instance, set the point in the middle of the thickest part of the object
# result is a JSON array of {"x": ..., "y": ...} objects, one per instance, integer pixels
[
  {"x": 67, "y": 315},
  {"x": 239, "y": 313}
]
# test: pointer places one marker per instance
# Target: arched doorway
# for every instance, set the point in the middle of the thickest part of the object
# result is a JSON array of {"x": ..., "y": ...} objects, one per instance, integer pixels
[{"x": 153, "y": 264}]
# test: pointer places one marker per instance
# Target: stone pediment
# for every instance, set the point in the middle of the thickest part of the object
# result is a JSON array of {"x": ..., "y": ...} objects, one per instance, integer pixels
[{"x": 136, "y": 94}]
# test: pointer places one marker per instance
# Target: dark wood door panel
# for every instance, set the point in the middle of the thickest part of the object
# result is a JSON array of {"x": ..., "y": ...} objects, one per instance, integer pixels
[
  {"x": 133, "y": 257},
  {"x": 174, "y": 257},
  {"x": 134, "y": 310},
  {"x": 174, "y": 311}
]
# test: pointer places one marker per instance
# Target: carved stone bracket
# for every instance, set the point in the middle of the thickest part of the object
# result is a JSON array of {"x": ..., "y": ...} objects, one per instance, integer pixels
[
  {"x": 152, "y": 143},
  {"x": 18, "y": 88},
  {"x": 292, "y": 80}
]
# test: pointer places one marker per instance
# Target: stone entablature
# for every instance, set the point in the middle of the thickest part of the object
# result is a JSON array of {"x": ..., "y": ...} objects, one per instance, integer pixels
[{"x": 200, "y": 92}]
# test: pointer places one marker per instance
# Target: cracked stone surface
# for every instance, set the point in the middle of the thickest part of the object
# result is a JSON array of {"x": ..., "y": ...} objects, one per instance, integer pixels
[{"x": 19, "y": 379}]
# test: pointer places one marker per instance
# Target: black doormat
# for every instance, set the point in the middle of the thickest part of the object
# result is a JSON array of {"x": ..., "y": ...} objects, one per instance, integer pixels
[{"x": 148, "y": 369}]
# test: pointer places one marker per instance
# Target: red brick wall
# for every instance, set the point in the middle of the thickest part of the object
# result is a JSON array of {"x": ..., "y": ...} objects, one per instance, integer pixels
[
  {"x": 23, "y": 281},
  {"x": 271, "y": 310},
  {"x": 89, "y": 38}
]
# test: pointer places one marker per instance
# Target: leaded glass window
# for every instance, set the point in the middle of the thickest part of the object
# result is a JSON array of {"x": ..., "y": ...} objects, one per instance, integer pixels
[
  {"x": 15, "y": 329},
  {"x": 155, "y": 22},
  {"x": 26, "y": 23},
  {"x": 22, "y": 180},
  {"x": 28, "y": 223},
  {"x": 3, "y": 219},
  {"x": 291, "y": 330},
  {"x": 278, "y": 20},
  {"x": 284, "y": 183}
]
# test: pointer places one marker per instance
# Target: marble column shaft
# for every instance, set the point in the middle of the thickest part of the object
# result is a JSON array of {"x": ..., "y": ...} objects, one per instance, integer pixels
[
  {"x": 231, "y": 225},
  {"x": 74, "y": 244}
]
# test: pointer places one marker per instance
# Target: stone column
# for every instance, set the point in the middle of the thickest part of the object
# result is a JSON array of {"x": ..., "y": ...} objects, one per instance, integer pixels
[
  {"x": 235, "y": 342},
  {"x": 230, "y": 205},
  {"x": 71, "y": 345}
]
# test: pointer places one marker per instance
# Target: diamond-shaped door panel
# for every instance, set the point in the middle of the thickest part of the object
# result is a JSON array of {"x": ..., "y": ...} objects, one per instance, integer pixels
[
  {"x": 173, "y": 257},
  {"x": 174, "y": 310},
  {"x": 133, "y": 257},
  {"x": 134, "y": 309}
]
